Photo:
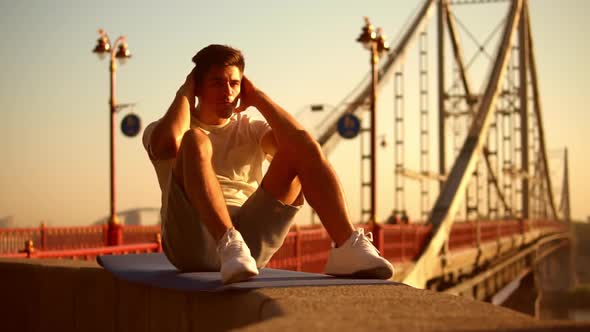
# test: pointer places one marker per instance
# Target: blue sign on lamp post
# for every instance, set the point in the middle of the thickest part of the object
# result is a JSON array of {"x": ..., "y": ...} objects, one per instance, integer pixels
[
  {"x": 349, "y": 125},
  {"x": 131, "y": 125}
]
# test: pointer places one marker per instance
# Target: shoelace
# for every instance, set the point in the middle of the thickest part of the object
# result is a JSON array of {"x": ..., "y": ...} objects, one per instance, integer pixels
[
  {"x": 230, "y": 243},
  {"x": 366, "y": 240}
]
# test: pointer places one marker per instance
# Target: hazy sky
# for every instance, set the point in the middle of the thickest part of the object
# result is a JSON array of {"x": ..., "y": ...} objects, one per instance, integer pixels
[{"x": 54, "y": 91}]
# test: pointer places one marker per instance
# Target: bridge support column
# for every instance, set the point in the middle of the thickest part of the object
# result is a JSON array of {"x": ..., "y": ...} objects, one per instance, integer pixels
[
  {"x": 114, "y": 234},
  {"x": 525, "y": 296}
]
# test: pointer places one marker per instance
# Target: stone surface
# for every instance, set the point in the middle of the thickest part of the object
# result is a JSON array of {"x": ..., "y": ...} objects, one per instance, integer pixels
[{"x": 81, "y": 296}]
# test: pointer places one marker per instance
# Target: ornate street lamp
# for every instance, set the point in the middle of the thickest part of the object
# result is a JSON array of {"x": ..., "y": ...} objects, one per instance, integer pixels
[
  {"x": 375, "y": 42},
  {"x": 104, "y": 47}
]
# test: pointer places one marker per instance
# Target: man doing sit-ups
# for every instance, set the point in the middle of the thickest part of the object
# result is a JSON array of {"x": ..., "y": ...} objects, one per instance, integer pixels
[{"x": 219, "y": 213}]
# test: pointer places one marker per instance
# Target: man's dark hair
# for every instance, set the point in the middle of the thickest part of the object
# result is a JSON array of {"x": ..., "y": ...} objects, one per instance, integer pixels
[{"x": 216, "y": 55}]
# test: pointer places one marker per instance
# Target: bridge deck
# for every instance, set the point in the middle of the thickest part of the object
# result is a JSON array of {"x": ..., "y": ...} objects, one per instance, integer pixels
[{"x": 67, "y": 295}]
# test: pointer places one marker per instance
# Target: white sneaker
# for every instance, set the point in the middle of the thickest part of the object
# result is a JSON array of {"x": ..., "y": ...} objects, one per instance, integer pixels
[
  {"x": 237, "y": 263},
  {"x": 358, "y": 258}
]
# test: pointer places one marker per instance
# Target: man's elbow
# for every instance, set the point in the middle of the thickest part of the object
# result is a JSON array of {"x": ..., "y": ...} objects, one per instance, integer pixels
[{"x": 162, "y": 148}]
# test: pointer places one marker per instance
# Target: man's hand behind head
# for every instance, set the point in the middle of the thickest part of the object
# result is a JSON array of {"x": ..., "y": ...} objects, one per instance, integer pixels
[
  {"x": 189, "y": 86},
  {"x": 248, "y": 95}
]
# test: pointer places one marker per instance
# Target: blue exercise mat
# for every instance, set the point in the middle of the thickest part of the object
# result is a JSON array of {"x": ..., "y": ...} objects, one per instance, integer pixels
[{"x": 155, "y": 270}]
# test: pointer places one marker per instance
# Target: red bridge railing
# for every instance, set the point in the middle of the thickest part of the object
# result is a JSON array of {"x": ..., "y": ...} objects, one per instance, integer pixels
[
  {"x": 304, "y": 249},
  {"x": 65, "y": 238}
]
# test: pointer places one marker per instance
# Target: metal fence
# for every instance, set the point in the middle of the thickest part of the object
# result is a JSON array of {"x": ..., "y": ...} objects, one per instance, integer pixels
[
  {"x": 304, "y": 249},
  {"x": 12, "y": 240}
]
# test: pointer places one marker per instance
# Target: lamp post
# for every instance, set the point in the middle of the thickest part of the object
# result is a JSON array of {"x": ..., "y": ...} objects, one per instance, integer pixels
[
  {"x": 104, "y": 47},
  {"x": 375, "y": 42}
]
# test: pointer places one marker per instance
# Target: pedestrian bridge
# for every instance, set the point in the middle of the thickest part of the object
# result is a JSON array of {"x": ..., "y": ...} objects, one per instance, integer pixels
[{"x": 495, "y": 222}]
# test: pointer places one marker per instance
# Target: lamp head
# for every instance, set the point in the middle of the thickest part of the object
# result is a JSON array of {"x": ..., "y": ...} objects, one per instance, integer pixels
[
  {"x": 367, "y": 35},
  {"x": 103, "y": 45},
  {"x": 382, "y": 44},
  {"x": 123, "y": 51}
]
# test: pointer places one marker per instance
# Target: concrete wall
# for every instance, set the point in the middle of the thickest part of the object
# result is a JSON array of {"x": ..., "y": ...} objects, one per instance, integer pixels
[{"x": 62, "y": 295}]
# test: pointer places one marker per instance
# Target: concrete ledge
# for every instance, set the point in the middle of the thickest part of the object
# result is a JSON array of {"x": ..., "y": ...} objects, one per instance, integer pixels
[{"x": 62, "y": 295}]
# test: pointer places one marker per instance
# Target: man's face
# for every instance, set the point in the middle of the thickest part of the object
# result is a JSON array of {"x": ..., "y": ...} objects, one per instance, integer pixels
[{"x": 220, "y": 90}]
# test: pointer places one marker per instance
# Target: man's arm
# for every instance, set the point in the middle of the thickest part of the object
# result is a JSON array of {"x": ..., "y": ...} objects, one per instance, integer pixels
[
  {"x": 168, "y": 131},
  {"x": 269, "y": 144},
  {"x": 283, "y": 124}
]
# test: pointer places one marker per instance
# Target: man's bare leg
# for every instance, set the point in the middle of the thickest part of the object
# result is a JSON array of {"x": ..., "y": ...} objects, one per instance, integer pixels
[
  {"x": 301, "y": 164},
  {"x": 305, "y": 157},
  {"x": 195, "y": 172},
  {"x": 196, "y": 176}
]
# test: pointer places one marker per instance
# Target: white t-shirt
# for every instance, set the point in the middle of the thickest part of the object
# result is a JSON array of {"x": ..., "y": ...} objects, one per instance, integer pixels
[{"x": 237, "y": 157}]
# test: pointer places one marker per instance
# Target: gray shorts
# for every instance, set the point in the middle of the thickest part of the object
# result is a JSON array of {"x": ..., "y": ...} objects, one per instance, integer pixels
[{"x": 263, "y": 222}]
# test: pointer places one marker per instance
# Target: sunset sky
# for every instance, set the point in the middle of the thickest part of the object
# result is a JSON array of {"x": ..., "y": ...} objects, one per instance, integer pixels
[{"x": 54, "y": 91}]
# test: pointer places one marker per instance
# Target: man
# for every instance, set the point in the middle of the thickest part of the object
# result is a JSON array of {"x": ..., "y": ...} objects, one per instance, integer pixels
[{"x": 215, "y": 216}]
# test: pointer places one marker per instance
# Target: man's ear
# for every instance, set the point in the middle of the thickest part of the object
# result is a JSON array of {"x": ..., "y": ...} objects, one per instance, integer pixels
[
  {"x": 196, "y": 82},
  {"x": 197, "y": 89}
]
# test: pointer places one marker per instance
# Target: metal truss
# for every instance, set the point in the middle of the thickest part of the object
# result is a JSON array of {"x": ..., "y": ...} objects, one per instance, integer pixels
[
  {"x": 501, "y": 168},
  {"x": 452, "y": 193}
]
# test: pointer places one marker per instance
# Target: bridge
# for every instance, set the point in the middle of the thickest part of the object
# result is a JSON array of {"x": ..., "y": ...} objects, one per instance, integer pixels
[
  {"x": 480, "y": 221},
  {"x": 496, "y": 172}
]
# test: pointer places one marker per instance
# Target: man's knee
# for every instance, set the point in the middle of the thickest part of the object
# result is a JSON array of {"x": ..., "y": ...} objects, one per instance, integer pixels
[
  {"x": 302, "y": 146},
  {"x": 197, "y": 143}
]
